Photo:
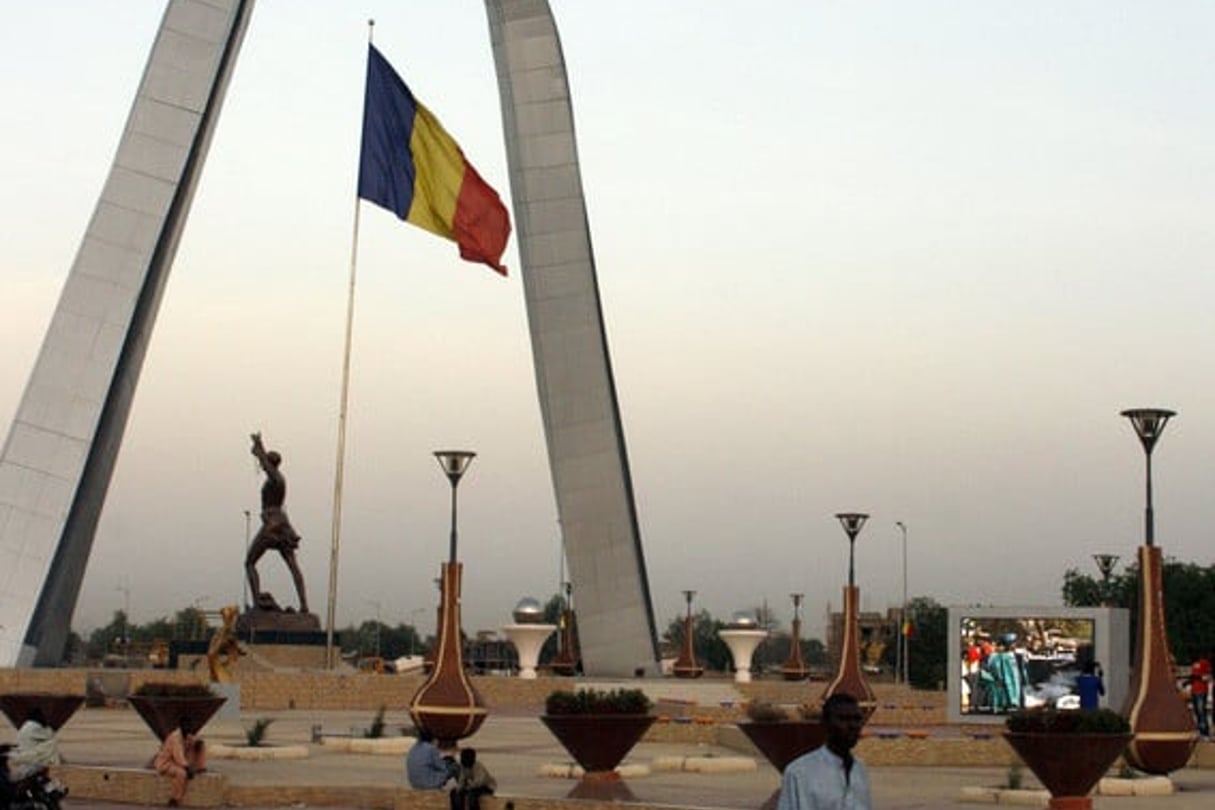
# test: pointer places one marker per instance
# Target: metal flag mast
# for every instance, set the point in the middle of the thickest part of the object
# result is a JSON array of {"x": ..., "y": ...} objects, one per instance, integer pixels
[{"x": 340, "y": 467}]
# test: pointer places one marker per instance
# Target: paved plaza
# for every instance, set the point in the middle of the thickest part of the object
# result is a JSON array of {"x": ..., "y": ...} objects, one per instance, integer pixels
[{"x": 517, "y": 747}]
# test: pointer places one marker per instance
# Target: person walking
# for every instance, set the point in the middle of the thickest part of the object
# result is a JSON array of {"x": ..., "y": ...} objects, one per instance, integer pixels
[
  {"x": 1090, "y": 686},
  {"x": 829, "y": 777},
  {"x": 1200, "y": 688}
]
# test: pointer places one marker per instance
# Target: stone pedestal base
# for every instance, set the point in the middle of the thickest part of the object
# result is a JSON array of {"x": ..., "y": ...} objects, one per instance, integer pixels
[{"x": 258, "y": 620}]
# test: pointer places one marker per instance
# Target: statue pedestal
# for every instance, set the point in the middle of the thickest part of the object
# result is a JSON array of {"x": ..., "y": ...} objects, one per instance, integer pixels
[
  {"x": 260, "y": 620},
  {"x": 742, "y": 644},
  {"x": 528, "y": 640}
]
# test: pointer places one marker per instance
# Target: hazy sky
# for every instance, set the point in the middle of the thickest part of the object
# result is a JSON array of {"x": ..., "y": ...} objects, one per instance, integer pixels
[{"x": 903, "y": 258}]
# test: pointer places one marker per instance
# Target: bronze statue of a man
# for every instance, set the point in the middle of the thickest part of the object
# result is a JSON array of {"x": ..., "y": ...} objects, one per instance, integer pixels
[{"x": 276, "y": 532}]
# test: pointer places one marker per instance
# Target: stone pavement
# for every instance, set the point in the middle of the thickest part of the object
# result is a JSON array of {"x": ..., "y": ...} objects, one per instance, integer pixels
[{"x": 515, "y": 748}]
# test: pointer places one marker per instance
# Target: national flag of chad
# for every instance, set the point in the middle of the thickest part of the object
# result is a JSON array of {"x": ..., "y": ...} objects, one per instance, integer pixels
[{"x": 411, "y": 166}]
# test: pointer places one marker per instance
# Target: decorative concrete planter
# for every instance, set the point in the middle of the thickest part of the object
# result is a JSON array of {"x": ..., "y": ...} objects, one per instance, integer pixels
[
  {"x": 1069, "y": 765},
  {"x": 598, "y": 742},
  {"x": 783, "y": 741},
  {"x": 56, "y": 708},
  {"x": 165, "y": 713}
]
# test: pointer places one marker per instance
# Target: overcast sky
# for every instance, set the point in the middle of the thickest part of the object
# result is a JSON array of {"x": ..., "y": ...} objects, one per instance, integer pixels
[{"x": 904, "y": 258}]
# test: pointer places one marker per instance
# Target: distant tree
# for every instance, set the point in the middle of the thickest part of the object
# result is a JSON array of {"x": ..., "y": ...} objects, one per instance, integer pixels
[
  {"x": 927, "y": 649},
  {"x": 1189, "y": 602}
]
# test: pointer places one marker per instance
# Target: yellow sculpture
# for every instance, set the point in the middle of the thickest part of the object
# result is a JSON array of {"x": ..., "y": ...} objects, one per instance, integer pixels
[{"x": 225, "y": 649}]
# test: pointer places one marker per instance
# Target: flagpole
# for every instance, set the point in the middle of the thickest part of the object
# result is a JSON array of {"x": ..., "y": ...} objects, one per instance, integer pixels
[{"x": 340, "y": 467}]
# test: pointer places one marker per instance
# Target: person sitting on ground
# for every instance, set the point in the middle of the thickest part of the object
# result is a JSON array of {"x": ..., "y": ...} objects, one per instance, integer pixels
[
  {"x": 473, "y": 780},
  {"x": 36, "y": 749},
  {"x": 180, "y": 757},
  {"x": 425, "y": 767},
  {"x": 829, "y": 777}
]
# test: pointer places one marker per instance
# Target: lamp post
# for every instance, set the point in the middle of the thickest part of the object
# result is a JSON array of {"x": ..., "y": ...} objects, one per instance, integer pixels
[
  {"x": 849, "y": 678},
  {"x": 375, "y": 603},
  {"x": 447, "y": 704},
  {"x": 794, "y": 668},
  {"x": 1164, "y": 729},
  {"x": 245, "y": 578},
  {"x": 1105, "y": 564},
  {"x": 852, "y": 523},
  {"x": 126, "y": 620},
  {"x": 1149, "y": 424},
  {"x": 902, "y": 638},
  {"x": 454, "y": 463},
  {"x": 686, "y": 665}
]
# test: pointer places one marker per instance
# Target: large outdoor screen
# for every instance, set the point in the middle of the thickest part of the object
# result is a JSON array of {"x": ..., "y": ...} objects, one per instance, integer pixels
[
  {"x": 1003, "y": 658},
  {"x": 1014, "y": 662}
]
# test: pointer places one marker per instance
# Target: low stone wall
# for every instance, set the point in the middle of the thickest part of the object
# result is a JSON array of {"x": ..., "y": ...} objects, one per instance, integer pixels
[
  {"x": 136, "y": 786},
  {"x": 347, "y": 690}
]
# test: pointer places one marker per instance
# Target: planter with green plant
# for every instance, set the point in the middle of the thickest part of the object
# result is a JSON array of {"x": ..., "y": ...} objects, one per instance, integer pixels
[
  {"x": 1068, "y": 750},
  {"x": 165, "y": 706},
  {"x": 598, "y": 728}
]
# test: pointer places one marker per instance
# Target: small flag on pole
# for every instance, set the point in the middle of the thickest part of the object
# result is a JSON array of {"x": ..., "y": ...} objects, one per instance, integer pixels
[
  {"x": 411, "y": 166},
  {"x": 908, "y": 629}
]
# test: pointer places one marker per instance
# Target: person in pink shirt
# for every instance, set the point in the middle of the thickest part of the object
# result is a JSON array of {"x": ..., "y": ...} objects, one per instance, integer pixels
[{"x": 180, "y": 757}]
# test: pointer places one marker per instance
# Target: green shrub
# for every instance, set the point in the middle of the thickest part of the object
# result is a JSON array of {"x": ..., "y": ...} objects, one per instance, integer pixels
[
  {"x": 1049, "y": 720},
  {"x": 255, "y": 735},
  {"x": 595, "y": 701}
]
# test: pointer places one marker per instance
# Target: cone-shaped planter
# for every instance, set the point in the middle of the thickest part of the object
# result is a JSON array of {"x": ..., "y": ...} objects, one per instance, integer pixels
[
  {"x": 1068, "y": 765},
  {"x": 783, "y": 741},
  {"x": 57, "y": 709},
  {"x": 165, "y": 713},
  {"x": 598, "y": 742}
]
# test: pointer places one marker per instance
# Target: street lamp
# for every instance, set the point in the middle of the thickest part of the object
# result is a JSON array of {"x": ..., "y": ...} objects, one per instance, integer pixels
[
  {"x": 244, "y": 587},
  {"x": 1105, "y": 564},
  {"x": 1149, "y": 424},
  {"x": 852, "y": 523},
  {"x": 375, "y": 603},
  {"x": 126, "y": 618},
  {"x": 901, "y": 643},
  {"x": 454, "y": 463}
]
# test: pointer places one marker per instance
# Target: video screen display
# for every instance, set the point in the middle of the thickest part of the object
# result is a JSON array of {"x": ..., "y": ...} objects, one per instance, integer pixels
[{"x": 1010, "y": 663}]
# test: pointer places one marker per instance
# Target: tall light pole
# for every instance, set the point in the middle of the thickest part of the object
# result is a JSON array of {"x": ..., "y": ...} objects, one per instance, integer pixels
[
  {"x": 454, "y": 464},
  {"x": 902, "y": 640},
  {"x": 126, "y": 619},
  {"x": 852, "y": 523},
  {"x": 1149, "y": 424},
  {"x": 1105, "y": 564},
  {"x": 375, "y": 603},
  {"x": 244, "y": 577}
]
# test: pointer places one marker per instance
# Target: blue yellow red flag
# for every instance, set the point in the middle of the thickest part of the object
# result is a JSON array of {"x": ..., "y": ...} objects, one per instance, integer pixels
[{"x": 409, "y": 165}]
